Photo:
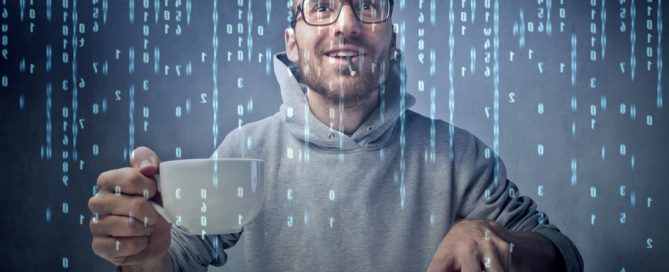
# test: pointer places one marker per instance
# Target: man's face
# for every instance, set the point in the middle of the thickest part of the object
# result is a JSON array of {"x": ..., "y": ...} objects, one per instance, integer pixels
[{"x": 319, "y": 52}]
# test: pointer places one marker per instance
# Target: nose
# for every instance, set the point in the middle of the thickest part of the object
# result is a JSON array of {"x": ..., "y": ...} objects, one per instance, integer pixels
[{"x": 347, "y": 24}]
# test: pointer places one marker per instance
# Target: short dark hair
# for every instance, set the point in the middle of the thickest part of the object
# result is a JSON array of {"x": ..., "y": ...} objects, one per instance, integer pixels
[{"x": 293, "y": 10}]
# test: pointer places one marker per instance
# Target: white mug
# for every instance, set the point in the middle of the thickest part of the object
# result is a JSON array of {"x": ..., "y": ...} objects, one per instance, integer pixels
[{"x": 210, "y": 196}]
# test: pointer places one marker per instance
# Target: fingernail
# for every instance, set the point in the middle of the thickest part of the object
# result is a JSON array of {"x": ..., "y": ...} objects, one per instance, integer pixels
[{"x": 144, "y": 163}]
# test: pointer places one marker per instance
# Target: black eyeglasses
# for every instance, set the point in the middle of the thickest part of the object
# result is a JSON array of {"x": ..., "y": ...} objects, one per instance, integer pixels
[{"x": 326, "y": 12}]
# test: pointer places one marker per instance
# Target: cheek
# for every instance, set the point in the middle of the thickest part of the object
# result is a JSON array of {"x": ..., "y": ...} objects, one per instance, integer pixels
[{"x": 308, "y": 52}]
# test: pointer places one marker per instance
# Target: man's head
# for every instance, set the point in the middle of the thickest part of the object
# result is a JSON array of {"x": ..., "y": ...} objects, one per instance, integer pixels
[{"x": 325, "y": 34}]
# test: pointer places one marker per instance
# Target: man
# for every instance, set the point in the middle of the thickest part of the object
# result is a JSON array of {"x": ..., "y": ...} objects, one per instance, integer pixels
[{"x": 350, "y": 186}]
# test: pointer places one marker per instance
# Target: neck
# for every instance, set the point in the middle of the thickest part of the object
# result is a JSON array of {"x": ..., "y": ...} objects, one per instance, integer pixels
[{"x": 345, "y": 118}]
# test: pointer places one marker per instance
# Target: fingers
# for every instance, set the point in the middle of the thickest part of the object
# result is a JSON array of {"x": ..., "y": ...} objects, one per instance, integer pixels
[
  {"x": 470, "y": 262},
  {"x": 490, "y": 258},
  {"x": 131, "y": 207},
  {"x": 120, "y": 236},
  {"x": 126, "y": 229},
  {"x": 144, "y": 160},
  {"x": 158, "y": 245},
  {"x": 127, "y": 181},
  {"x": 441, "y": 262},
  {"x": 119, "y": 226},
  {"x": 473, "y": 245},
  {"x": 115, "y": 249}
]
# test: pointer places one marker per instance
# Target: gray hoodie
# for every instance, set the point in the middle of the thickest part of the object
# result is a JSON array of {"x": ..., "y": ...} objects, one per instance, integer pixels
[{"x": 381, "y": 199}]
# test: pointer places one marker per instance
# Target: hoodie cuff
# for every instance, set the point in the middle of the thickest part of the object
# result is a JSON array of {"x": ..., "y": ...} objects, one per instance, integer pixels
[{"x": 572, "y": 258}]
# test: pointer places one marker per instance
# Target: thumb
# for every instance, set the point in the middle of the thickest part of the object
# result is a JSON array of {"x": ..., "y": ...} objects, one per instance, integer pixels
[{"x": 145, "y": 160}]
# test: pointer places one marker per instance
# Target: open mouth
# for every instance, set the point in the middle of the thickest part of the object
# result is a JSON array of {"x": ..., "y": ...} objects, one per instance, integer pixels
[{"x": 341, "y": 56}]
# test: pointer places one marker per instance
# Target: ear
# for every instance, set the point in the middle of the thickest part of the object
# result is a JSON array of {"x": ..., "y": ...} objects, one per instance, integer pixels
[{"x": 291, "y": 45}]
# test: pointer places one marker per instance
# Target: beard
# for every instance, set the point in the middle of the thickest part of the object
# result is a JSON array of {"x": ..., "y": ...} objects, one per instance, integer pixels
[{"x": 341, "y": 87}]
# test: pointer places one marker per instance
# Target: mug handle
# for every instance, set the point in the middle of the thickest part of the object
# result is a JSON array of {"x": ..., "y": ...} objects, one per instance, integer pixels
[{"x": 156, "y": 206}]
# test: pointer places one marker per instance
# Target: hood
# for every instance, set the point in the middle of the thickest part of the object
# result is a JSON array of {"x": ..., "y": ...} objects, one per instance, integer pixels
[{"x": 371, "y": 134}]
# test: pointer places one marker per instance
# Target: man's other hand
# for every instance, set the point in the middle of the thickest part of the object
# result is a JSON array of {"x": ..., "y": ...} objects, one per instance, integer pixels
[
  {"x": 473, "y": 245},
  {"x": 480, "y": 245}
]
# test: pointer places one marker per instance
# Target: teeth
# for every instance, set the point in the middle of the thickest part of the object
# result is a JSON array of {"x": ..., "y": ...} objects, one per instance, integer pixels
[{"x": 343, "y": 54}]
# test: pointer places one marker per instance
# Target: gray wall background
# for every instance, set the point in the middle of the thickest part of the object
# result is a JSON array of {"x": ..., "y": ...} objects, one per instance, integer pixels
[{"x": 604, "y": 185}]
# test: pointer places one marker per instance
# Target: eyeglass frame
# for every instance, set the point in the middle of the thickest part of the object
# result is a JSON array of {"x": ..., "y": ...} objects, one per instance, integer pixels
[{"x": 299, "y": 10}]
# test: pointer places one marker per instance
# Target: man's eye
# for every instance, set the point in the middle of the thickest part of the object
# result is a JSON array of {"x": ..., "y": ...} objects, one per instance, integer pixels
[
  {"x": 321, "y": 8},
  {"x": 367, "y": 6}
]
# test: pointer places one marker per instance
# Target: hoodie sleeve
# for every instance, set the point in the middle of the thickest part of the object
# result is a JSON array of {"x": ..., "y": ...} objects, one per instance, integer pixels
[
  {"x": 484, "y": 192},
  {"x": 195, "y": 252}
]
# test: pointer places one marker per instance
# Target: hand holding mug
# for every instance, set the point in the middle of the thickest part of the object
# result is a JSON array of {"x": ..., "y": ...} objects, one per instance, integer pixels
[{"x": 126, "y": 229}]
